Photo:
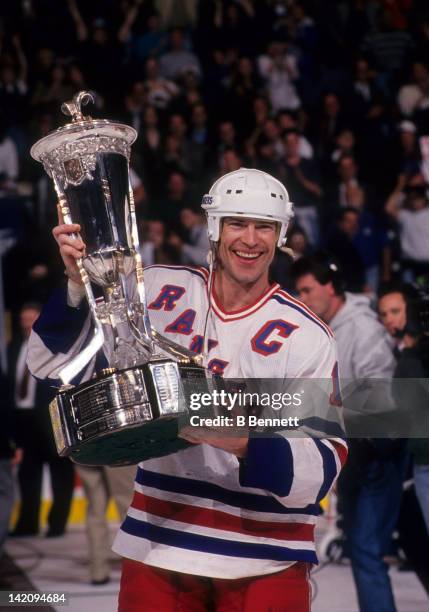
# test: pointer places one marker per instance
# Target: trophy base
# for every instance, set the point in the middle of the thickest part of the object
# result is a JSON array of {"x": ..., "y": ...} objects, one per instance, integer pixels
[
  {"x": 126, "y": 416},
  {"x": 131, "y": 445}
]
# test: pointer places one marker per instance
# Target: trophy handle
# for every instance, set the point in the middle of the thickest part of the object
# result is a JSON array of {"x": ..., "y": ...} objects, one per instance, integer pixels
[{"x": 77, "y": 364}]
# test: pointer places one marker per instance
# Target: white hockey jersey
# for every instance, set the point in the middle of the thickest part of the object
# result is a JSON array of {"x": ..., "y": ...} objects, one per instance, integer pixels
[{"x": 201, "y": 510}]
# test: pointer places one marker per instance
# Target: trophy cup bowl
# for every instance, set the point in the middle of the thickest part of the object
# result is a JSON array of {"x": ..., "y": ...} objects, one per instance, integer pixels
[{"x": 131, "y": 410}]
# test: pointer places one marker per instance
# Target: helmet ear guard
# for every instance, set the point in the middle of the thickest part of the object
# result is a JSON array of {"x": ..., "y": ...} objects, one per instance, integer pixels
[
  {"x": 250, "y": 194},
  {"x": 213, "y": 228}
]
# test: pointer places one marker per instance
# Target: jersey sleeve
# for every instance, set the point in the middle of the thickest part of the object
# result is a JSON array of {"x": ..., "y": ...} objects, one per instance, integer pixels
[
  {"x": 299, "y": 469},
  {"x": 59, "y": 334}
]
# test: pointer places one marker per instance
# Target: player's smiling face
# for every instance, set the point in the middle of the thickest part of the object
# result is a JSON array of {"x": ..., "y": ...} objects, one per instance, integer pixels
[{"x": 246, "y": 248}]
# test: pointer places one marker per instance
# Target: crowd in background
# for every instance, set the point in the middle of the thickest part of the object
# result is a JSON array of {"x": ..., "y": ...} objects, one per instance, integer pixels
[{"x": 331, "y": 97}]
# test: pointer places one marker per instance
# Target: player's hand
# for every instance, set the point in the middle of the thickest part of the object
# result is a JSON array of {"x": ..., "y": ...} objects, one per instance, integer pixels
[{"x": 71, "y": 247}]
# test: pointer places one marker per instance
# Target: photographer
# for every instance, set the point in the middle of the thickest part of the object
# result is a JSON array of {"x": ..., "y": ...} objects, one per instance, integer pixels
[
  {"x": 403, "y": 312},
  {"x": 413, "y": 363}
]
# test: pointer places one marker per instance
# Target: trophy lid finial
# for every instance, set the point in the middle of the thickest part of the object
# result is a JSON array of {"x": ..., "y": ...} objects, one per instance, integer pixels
[{"x": 73, "y": 107}]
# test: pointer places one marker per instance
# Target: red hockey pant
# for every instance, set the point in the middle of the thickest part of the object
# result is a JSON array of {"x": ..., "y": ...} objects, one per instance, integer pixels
[{"x": 150, "y": 589}]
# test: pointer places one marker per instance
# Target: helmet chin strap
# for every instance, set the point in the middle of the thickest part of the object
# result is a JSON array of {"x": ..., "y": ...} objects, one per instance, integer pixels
[{"x": 211, "y": 260}]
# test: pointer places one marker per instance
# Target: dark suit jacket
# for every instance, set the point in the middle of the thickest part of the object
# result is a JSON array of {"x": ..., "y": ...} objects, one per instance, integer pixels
[{"x": 33, "y": 425}]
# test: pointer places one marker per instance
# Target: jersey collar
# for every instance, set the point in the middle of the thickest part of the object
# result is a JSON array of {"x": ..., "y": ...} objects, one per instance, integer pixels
[{"x": 233, "y": 315}]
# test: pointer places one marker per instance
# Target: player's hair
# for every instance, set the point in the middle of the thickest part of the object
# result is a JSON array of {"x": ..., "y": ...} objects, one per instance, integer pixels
[{"x": 323, "y": 266}]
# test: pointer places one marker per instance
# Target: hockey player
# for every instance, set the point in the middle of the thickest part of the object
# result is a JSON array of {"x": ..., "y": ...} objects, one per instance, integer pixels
[{"x": 228, "y": 523}]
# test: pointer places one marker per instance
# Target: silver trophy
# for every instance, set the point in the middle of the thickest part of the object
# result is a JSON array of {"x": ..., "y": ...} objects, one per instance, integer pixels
[{"x": 131, "y": 410}]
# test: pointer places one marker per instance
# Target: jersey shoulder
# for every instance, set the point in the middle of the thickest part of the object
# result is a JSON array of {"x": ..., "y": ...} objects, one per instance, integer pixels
[
  {"x": 298, "y": 313},
  {"x": 173, "y": 275}
]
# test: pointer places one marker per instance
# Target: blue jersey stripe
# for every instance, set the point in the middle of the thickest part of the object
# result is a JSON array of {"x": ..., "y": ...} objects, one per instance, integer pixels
[
  {"x": 208, "y": 490},
  {"x": 329, "y": 468},
  {"x": 268, "y": 464},
  {"x": 191, "y": 270},
  {"x": 301, "y": 310},
  {"x": 59, "y": 325},
  {"x": 217, "y": 546}
]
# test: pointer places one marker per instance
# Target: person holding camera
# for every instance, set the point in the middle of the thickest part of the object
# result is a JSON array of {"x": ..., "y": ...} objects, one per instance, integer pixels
[
  {"x": 413, "y": 362},
  {"x": 398, "y": 313}
]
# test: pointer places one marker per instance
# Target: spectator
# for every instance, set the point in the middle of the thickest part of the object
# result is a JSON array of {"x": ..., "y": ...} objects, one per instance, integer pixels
[
  {"x": 240, "y": 93},
  {"x": 8, "y": 160},
  {"x": 350, "y": 189},
  {"x": 160, "y": 91},
  {"x": 415, "y": 95},
  {"x": 230, "y": 161},
  {"x": 191, "y": 92},
  {"x": 392, "y": 310},
  {"x": 409, "y": 161},
  {"x": 176, "y": 198},
  {"x": 413, "y": 362},
  {"x": 236, "y": 25},
  {"x": 288, "y": 120},
  {"x": 199, "y": 139},
  {"x": 102, "y": 55},
  {"x": 389, "y": 48},
  {"x": 149, "y": 147},
  {"x": 367, "y": 96},
  {"x": 194, "y": 249},
  {"x": 413, "y": 220},
  {"x": 279, "y": 70},
  {"x": 341, "y": 244},
  {"x": 372, "y": 125},
  {"x": 227, "y": 139},
  {"x": 345, "y": 145},
  {"x": 397, "y": 311},
  {"x": 34, "y": 435},
  {"x": 14, "y": 86},
  {"x": 177, "y": 129},
  {"x": 150, "y": 43},
  {"x": 44, "y": 63},
  {"x": 175, "y": 62},
  {"x": 271, "y": 136},
  {"x": 332, "y": 121},
  {"x": 134, "y": 103},
  {"x": 154, "y": 248},
  {"x": 297, "y": 247},
  {"x": 303, "y": 181},
  {"x": 53, "y": 93}
]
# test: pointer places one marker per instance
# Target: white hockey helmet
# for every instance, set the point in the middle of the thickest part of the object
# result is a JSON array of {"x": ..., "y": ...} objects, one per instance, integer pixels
[{"x": 247, "y": 193}]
